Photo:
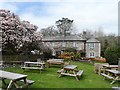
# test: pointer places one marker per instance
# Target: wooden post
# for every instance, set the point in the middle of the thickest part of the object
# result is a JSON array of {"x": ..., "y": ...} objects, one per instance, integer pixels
[{"x": 118, "y": 63}]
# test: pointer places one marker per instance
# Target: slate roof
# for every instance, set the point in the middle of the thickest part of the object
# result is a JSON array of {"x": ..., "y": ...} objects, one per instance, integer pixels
[
  {"x": 92, "y": 40},
  {"x": 66, "y": 38}
]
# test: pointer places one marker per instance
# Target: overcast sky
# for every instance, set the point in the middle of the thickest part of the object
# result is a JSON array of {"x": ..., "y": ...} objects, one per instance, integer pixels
[{"x": 87, "y": 14}]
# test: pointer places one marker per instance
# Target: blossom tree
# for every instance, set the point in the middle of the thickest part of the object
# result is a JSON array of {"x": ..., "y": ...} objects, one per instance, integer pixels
[{"x": 16, "y": 32}]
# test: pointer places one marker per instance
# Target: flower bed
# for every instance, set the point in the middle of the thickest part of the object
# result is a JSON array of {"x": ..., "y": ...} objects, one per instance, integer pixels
[{"x": 100, "y": 59}]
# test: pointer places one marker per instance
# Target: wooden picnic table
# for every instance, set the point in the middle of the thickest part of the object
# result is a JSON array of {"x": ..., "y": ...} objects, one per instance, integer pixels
[
  {"x": 114, "y": 77},
  {"x": 55, "y": 62},
  {"x": 110, "y": 66},
  {"x": 70, "y": 67},
  {"x": 34, "y": 65},
  {"x": 14, "y": 78},
  {"x": 70, "y": 70}
]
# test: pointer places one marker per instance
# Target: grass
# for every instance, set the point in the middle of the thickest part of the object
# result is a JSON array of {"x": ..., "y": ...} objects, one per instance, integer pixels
[{"x": 49, "y": 79}]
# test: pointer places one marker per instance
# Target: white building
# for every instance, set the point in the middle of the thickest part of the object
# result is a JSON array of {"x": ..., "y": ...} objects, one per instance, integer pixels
[{"x": 93, "y": 48}]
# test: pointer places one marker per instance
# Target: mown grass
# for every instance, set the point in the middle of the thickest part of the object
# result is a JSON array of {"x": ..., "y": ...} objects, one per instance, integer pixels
[{"x": 49, "y": 79}]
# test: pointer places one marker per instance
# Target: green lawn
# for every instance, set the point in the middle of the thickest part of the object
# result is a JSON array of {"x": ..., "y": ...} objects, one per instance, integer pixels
[{"x": 49, "y": 79}]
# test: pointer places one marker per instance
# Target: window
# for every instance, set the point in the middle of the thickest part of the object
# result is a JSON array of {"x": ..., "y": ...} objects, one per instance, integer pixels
[
  {"x": 91, "y": 46},
  {"x": 63, "y": 44},
  {"x": 53, "y": 44},
  {"x": 92, "y": 54},
  {"x": 74, "y": 44}
]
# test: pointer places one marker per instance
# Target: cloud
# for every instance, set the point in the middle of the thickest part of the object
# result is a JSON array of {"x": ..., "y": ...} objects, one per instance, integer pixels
[
  {"x": 41, "y": 22},
  {"x": 89, "y": 14}
]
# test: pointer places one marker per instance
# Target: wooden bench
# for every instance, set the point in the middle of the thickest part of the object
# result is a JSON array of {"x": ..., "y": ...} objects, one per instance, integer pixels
[
  {"x": 36, "y": 68},
  {"x": 34, "y": 65},
  {"x": 61, "y": 70},
  {"x": 55, "y": 62},
  {"x": 79, "y": 73},
  {"x": 107, "y": 76},
  {"x": 31, "y": 68},
  {"x": 28, "y": 82}
]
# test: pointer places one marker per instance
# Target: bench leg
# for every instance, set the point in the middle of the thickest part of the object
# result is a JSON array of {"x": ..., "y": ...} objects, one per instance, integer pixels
[
  {"x": 16, "y": 85},
  {"x": 48, "y": 65},
  {"x": 104, "y": 78},
  {"x": 40, "y": 71},
  {"x": 59, "y": 75},
  {"x": 23, "y": 69},
  {"x": 3, "y": 80},
  {"x": 10, "y": 84},
  {"x": 114, "y": 80},
  {"x": 76, "y": 78}
]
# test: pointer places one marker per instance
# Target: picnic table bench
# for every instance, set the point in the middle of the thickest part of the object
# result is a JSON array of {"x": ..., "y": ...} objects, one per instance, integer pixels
[
  {"x": 107, "y": 76},
  {"x": 56, "y": 62},
  {"x": 14, "y": 78},
  {"x": 114, "y": 77},
  {"x": 70, "y": 71},
  {"x": 34, "y": 65},
  {"x": 110, "y": 66}
]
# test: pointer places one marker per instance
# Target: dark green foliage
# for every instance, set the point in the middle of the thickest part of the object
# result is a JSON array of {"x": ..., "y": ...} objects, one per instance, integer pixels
[
  {"x": 47, "y": 55},
  {"x": 83, "y": 54},
  {"x": 9, "y": 49},
  {"x": 28, "y": 47},
  {"x": 112, "y": 55},
  {"x": 64, "y": 26},
  {"x": 119, "y": 51},
  {"x": 108, "y": 41},
  {"x": 76, "y": 56},
  {"x": 106, "y": 44},
  {"x": 9, "y": 58},
  {"x": 70, "y": 50}
]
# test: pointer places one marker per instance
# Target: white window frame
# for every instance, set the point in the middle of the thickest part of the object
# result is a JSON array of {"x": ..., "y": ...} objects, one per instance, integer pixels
[
  {"x": 91, "y": 46},
  {"x": 74, "y": 44},
  {"x": 53, "y": 44},
  {"x": 63, "y": 44}
]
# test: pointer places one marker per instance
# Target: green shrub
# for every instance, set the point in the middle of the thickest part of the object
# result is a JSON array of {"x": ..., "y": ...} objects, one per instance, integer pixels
[
  {"x": 20, "y": 57},
  {"x": 76, "y": 56},
  {"x": 70, "y": 50},
  {"x": 111, "y": 55}
]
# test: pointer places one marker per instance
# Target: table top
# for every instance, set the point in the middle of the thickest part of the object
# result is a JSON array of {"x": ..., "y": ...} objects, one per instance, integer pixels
[
  {"x": 114, "y": 71},
  {"x": 110, "y": 66},
  {"x": 34, "y": 63},
  {"x": 55, "y": 60},
  {"x": 72, "y": 67},
  {"x": 11, "y": 75}
]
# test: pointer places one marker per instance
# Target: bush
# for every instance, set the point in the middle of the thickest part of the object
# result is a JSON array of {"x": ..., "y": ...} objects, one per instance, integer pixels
[
  {"x": 76, "y": 56},
  {"x": 111, "y": 55},
  {"x": 9, "y": 49},
  {"x": 47, "y": 55},
  {"x": 10, "y": 58},
  {"x": 70, "y": 50},
  {"x": 83, "y": 54}
]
